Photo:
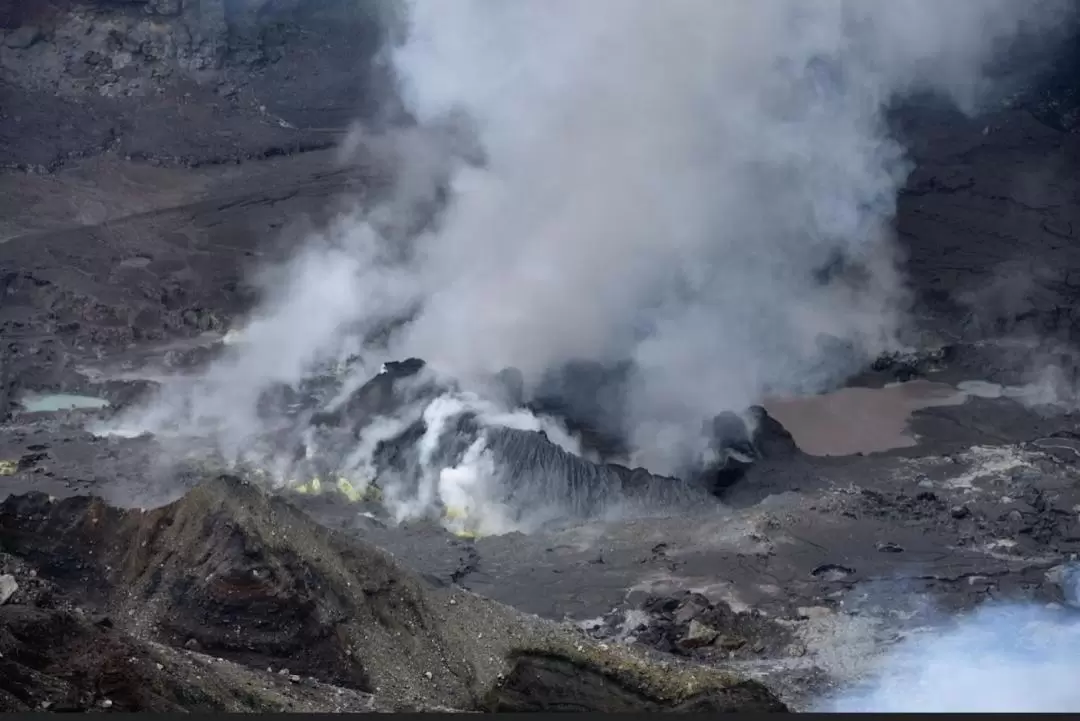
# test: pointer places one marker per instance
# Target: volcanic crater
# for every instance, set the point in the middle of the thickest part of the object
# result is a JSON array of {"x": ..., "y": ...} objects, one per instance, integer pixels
[{"x": 820, "y": 531}]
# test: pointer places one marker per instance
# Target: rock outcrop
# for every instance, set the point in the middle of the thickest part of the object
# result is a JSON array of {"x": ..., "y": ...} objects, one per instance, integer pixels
[
  {"x": 230, "y": 573},
  {"x": 534, "y": 474}
]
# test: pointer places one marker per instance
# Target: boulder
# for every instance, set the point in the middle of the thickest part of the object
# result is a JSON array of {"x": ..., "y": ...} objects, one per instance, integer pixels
[
  {"x": 698, "y": 635},
  {"x": 740, "y": 441}
]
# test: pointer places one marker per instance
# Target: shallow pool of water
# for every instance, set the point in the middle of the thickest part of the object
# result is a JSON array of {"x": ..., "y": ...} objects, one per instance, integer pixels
[
  {"x": 859, "y": 420},
  {"x": 55, "y": 402}
]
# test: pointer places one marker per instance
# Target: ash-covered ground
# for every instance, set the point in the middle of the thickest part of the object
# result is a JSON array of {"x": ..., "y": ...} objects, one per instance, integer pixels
[{"x": 382, "y": 536}]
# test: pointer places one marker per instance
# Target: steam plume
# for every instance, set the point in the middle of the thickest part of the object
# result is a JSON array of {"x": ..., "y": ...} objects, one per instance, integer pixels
[
  {"x": 1004, "y": 658},
  {"x": 702, "y": 189},
  {"x": 664, "y": 181}
]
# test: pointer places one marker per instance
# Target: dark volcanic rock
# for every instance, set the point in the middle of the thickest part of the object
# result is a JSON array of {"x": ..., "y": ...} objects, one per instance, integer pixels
[
  {"x": 234, "y": 573},
  {"x": 59, "y": 660},
  {"x": 535, "y": 476},
  {"x": 539, "y": 474},
  {"x": 689, "y": 624},
  {"x": 547, "y": 683},
  {"x": 907, "y": 366},
  {"x": 738, "y": 443},
  {"x": 383, "y": 395},
  {"x": 211, "y": 575},
  {"x": 7, "y": 384}
]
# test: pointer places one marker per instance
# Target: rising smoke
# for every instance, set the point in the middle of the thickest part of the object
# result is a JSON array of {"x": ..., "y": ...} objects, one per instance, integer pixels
[
  {"x": 700, "y": 189},
  {"x": 664, "y": 181},
  {"x": 1002, "y": 656},
  {"x": 999, "y": 658}
]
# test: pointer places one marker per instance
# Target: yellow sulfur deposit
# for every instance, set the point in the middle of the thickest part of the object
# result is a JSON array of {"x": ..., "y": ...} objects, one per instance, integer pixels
[
  {"x": 342, "y": 485},
  {"x": 349, "y": 491},
  {"x": 459, "y": 517},
  {"x": 314, "y": 486}
]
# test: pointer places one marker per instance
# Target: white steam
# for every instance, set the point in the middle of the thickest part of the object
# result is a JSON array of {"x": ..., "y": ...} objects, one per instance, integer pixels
[
  {"x": 662, "y": 182},
  {"x": 469, "y": 489},
  {"x": 1002, "y": 658}
]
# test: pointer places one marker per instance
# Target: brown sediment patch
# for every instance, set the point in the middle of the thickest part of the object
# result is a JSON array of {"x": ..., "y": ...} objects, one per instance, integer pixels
[{"x": 860, "y": 420}]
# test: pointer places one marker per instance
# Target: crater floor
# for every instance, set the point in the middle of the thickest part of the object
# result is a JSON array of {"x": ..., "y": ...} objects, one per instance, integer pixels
[{"x": 815, "y": 566}]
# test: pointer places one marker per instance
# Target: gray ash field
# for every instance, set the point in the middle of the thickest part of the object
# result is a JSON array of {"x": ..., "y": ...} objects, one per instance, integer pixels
[{"x": 170, "y": 564}]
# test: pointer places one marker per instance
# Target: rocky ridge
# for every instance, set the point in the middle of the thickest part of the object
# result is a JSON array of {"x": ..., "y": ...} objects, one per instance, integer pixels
[{"x": 229, "y": 573}]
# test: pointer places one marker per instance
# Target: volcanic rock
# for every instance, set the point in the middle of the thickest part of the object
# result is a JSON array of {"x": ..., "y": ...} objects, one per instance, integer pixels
[
  {"x": 58, "y": 660},
  {"x": 256, "y": 582},
  {"x": 184, "y": 82},
  {"x": 533, "y": 472},
  {"x": 1066, "y": 579},
  {"x": 688, "y": 624},
  {"x": 698, "y": 635},
  {"x": 738, "y": 443},
  {"x": 545, "y": 683},
  {"x": 7, "y": 384},
  {"x": 383, "y": 395}
]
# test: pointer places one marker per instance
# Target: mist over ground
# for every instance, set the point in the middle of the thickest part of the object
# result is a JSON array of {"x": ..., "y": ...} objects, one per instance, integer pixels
[{"x": 998, "y": 658}]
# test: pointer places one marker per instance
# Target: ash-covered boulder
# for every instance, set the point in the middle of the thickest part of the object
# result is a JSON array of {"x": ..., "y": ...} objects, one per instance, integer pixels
[
  {"x": 233, "y": 573},
  {"x": 740, "y": 441}
]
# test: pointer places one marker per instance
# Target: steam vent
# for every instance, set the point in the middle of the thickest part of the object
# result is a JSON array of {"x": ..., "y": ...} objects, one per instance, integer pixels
[{"x": 477, "y": 356}]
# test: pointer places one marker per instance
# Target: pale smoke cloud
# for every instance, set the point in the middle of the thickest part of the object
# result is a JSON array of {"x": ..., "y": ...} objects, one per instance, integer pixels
[
  {"x": 658, "y": 182},
  {"x": 663, "y": 179},
  {"x": 1014, "y": 658}
]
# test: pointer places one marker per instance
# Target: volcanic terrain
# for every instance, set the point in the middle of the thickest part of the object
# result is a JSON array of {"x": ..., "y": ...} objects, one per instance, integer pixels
[{"x": 137, "y": 198}]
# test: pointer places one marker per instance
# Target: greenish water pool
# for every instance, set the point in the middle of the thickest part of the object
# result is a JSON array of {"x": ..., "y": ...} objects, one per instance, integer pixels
[{"x": 54, "y": 402}]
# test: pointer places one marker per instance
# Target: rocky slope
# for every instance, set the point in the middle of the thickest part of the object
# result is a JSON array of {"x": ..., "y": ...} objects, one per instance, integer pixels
[{"x": 141, "y": 607}]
